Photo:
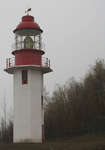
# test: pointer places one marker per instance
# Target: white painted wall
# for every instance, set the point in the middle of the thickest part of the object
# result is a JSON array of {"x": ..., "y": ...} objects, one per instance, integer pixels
[{"x": 27, "y": 107}]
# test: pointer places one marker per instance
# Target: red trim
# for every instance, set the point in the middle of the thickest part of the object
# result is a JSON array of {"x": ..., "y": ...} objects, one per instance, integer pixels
[
  {"x": 28, "y": 57},
  {"x": 28, "y": 49},
  {"x": 28, "y": 23},
  {"x": 24, "y": 81},
  {"x": 27, "y": 18}
]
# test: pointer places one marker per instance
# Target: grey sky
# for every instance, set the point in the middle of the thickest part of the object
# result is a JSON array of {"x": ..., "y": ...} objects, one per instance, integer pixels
[{"x": 74, "y": 35}]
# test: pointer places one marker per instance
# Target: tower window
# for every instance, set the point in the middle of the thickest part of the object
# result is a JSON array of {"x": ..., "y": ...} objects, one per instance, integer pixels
[{"x": 24, "y": 77}]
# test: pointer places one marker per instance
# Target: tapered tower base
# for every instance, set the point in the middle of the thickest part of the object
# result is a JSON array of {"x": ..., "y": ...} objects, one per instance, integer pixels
[{"x": 28, "y": 113}]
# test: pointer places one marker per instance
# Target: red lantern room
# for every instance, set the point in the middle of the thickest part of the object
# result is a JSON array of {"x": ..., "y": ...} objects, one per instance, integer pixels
[{"x": 28, "y": 48}]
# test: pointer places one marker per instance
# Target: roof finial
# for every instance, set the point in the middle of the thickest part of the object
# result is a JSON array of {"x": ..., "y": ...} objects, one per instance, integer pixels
[{"x": 27, "y": 11}]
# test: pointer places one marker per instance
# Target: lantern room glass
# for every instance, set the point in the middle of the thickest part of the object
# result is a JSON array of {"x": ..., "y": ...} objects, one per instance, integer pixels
[{"x": 28, "y": 41}]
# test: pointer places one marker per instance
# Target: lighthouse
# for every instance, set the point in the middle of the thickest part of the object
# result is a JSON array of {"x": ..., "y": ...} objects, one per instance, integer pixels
[{"x": 28, "y": 67}]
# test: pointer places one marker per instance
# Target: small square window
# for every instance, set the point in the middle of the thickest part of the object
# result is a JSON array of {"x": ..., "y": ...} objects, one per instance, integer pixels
[{"x": 24, "y": 77}]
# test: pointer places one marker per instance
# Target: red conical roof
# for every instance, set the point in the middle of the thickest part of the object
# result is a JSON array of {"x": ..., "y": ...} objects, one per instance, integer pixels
[{"x": 28, "y": 23}]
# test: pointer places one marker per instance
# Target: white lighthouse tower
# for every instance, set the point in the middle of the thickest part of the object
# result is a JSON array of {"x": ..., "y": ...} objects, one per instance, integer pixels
[{"x": 28, "y": 67}]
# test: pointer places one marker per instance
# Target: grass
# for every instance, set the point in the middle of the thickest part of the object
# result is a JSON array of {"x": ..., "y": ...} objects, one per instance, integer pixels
[{"x": 88, "y": 142}]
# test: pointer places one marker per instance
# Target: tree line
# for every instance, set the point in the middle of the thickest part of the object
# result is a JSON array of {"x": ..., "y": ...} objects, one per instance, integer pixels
[
  {"x": 77, "y": 107},
  {"x": 6, "y": 124},
  {"x": 6, "y": 131}
]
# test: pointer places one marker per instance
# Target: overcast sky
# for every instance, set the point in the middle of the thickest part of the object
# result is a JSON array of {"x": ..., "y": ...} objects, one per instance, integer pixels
[{"x": 74, "y": 37}]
